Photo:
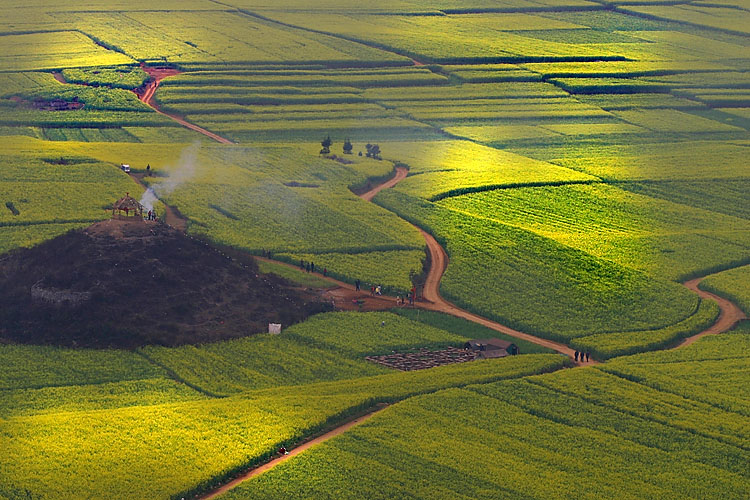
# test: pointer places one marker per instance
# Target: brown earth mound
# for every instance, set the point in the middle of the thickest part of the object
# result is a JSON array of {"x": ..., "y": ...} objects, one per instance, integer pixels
[{"x": 131, "y": 283}]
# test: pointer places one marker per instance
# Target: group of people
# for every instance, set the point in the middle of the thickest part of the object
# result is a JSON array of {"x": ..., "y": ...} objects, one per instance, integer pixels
[
  {"x": 308, "y": 266},
  {"x": 581, "y": 355},
  {"x": 150, "y": 216},
  {"x": 410, "y": 296}
]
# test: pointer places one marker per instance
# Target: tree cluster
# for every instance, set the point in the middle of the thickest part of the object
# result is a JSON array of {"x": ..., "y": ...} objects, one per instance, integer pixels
[{"x": 373, "y": 150}]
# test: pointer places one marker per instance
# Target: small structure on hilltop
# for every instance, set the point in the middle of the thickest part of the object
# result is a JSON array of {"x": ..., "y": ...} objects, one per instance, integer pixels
[
  {"x": 129, "y": 206},
  {"x": 491, "y": 348}
]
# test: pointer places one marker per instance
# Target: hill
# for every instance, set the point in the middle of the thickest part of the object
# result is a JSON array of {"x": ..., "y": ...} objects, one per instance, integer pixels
[{"x": 127, "y": 284}]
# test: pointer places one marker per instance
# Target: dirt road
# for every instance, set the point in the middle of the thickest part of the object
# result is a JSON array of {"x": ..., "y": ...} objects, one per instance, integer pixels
[
  {"x": 291, "y": 453},
  {"x": 729, "y": 316},
  {"x": 146, "y": 95},
  {"x": 439, "y": 263}
]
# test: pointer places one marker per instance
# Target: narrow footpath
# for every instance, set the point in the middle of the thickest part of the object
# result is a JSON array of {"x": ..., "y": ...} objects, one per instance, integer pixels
[
  {"x": 729, "y": 316},
  {"x": 439, "y": 263},
  {"x": 146, "y": 96},
  {"x": 291, "y": 453}
]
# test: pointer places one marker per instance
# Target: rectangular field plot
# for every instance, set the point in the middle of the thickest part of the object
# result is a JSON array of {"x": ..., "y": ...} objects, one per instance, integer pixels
[
  {"x": 376, "y": 77},
  {"x": 218, "y": 37},
  {"x": 384, "y": 268},
  {"x": 440, "y": 168},
  {"x": 490, "y": 133},
  {"x": 692, "y": 160},
  {"x": 666, "y": 239},
  {"x": 61, "y": 49},
  {"x": 670, "y": 120},
  {"x": 576, "y": 129},
  {"x": 502, "y": 109},
  {"x": 728, "y": 19},
  {"x": 456, "y": 39},
  {"x": 467, "y": 91},
  {"x": 144, "y": 392},
  {"x": 625, "y": 69},
  {"x": 612, "y": 102}
]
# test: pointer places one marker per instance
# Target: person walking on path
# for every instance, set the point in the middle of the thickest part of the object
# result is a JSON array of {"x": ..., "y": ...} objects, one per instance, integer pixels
[
  {"x": 587, "y": 356},
  {"x": 372, "y": 290},
  {"x": 307, "y": 267},
  {"x": 325, "y": 271},
  {"x": 302, "y": 264},
  {"x": 576, "y": 356},
  {"x": 356, "y": 284},
  {"x": 312, "y": 267}
]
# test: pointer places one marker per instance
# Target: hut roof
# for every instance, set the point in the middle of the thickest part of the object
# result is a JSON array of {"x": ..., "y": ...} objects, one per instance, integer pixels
[
  {"x": 492, "y": 353},
  {"x": 489, "y": 344},
  {"x": 128, "y": 202}
]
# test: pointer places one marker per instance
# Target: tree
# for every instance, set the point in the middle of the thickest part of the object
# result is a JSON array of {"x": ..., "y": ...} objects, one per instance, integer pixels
[
  {"x": 326, "y": 143},
  {"x": 347, "y": 147},
  {"x": 375, "y": 151},
  {"x": 368, "y": 147}
]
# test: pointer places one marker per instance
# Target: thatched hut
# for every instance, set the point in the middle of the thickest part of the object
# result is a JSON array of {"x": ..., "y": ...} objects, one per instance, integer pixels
[
  {"x": 129, "y": 206},
  {"x": 491, "y": 348}
]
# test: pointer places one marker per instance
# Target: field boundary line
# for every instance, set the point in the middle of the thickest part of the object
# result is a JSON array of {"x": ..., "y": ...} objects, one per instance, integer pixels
[
  {"x": 172, "y": 374},
  {"x": 358, "y": 419}
]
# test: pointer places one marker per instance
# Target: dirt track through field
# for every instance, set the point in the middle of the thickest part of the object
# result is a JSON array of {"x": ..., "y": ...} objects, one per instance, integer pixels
[
  {"x": 730, "y": 315},
  {"x": 146, "y": 95},
  {"x": 439, "y": 263},
  {"x": 291, "y": 453}
]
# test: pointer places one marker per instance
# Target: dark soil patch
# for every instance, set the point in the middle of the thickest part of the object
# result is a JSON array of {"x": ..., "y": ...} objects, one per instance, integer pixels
[
  {"x": 300, "y": 184},
  {"x": 423, "y": 358},
  {"x": 56, "y": 104},
  {"x": 132, "y": 283}
]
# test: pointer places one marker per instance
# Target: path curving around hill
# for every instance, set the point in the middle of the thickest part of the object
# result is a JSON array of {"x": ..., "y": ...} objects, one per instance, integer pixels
[
  {"x": 438, "y": 265},
  {"x": 730, "y": 314},
  {"x": 146, "y": 95},
  {"x": 255, "y": 471}
]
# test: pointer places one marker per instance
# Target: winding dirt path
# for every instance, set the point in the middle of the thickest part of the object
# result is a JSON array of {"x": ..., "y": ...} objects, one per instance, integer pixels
[
  {"x": 729, "y": 314},
  {"x": 146, "y": 95},
  {"x": 439, "y": 263},
  {"x": 291, "y": 453}
]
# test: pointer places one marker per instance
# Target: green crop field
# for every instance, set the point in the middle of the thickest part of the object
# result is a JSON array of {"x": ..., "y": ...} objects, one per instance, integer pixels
[
  {"x": 157, "y": 429},
  {"x": 529, "y": 282},
  {"x": 598, "y": 431},
  {"x": 576, "y": 159},
  {"x": 733, "y": 284}
]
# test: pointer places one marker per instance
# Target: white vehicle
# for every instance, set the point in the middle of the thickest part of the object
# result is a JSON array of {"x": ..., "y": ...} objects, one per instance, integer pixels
[{"x": 125, "y": 168}]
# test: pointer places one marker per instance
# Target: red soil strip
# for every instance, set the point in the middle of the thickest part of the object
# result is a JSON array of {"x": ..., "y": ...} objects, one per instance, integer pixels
[
  {"x": 729, "y": 316},
  {"x": 431, "y": 293},
  {"x": 146, "y": 95},
  {"x": 400, "y": 175},
  {"x": 296, "y": 451}
]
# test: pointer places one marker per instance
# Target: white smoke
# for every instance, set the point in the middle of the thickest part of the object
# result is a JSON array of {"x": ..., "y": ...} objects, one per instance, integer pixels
[{"x": 180, "y": 173}]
